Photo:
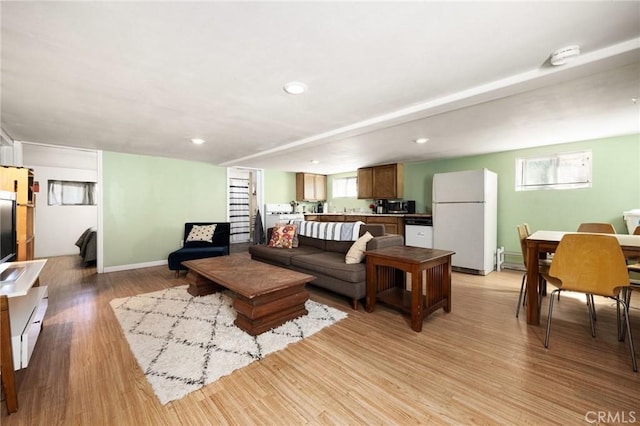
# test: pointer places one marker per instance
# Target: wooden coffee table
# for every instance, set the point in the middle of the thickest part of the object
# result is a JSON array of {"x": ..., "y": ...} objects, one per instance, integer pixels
[{"x": 266, "y": 295}]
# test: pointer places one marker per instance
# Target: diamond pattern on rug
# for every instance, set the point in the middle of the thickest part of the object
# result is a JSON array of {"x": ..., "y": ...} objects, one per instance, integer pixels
[{"x": 183, "y": 343}]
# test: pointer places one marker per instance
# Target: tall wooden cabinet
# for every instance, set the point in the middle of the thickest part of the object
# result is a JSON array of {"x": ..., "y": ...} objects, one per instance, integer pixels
[
  {"x": 388, "y": 181},
  {"x": 20, "y": 180},
  {"x": 365, "y": 183}
]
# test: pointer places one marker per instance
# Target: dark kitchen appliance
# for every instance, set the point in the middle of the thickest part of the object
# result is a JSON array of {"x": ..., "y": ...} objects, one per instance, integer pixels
[
  {"x": 320, "y": 208},
  {"x": 400, "y": 206},
  {"x": 411, "y": 206}
]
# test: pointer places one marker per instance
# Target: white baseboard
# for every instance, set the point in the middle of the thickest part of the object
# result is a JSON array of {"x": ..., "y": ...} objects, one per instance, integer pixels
[
  {"x": 513, "y": 266},
  {"x": 134, "y": 266}
]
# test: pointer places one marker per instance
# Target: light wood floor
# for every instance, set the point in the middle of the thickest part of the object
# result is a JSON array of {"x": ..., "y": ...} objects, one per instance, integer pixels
[{"x": 476, "y": 365}]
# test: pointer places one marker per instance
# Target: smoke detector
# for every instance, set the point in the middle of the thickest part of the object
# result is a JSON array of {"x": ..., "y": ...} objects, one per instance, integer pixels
[{"x": 561, "y": 56}]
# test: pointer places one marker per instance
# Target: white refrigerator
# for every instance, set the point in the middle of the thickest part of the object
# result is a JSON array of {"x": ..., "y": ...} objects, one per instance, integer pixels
[{"x": 465, "y": 218}]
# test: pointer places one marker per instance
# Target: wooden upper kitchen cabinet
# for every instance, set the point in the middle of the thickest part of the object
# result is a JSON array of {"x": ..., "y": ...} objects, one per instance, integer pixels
[
  {"x": 311, "y": 187},
  {"x": 381, "y": 182},
  {"x": 365, "y": 183},
  {"x": 388, "y": 181}
]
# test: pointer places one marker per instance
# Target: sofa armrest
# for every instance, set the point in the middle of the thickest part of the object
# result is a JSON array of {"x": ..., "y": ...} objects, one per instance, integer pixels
[{"x": 383, "y": 241}]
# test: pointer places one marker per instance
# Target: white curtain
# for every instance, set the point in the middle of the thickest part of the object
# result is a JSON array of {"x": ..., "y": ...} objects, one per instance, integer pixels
[{"x": 62, "y": 193}]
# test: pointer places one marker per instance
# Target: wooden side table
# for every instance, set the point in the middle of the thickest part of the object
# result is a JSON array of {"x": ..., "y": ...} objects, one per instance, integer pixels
[{"x": 436, "y": 263}]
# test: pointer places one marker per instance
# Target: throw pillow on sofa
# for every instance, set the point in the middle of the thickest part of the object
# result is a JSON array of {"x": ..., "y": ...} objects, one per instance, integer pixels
[
  {"x": 356, "y": 252},
  {"x": 296, "y": 241},
  {"x": 282, "y": 236},
  {"x": 201, "y": 233}
]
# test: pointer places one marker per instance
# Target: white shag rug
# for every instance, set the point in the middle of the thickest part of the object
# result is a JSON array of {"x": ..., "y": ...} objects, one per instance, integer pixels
[{"x": 183, "y": 343}]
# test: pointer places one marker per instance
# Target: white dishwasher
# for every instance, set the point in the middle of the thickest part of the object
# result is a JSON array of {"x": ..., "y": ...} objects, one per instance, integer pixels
[{"x": 418, "y": 231}]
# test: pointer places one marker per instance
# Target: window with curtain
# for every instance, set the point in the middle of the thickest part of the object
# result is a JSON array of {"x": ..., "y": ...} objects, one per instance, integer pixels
[
  {"x": 345, "y": 187},
  {"x": 568, "y": 170},
  {"x": 71, "y": 193}
]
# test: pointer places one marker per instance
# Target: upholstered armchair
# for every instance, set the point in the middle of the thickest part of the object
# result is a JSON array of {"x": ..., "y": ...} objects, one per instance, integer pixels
[{"x": 201, "y": 240}]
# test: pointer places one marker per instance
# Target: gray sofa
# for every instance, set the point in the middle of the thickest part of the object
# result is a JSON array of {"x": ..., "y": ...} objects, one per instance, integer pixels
[{"x": 325, "y": 259}]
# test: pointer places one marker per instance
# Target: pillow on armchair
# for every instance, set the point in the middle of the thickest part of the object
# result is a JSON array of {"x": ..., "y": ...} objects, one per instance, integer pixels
[{"x": 201, "y": 233}]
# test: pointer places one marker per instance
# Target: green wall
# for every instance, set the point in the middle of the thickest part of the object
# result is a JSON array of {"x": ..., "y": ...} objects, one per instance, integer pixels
[
  {"x": 616, "y": 188},
  {"x": 147, "y": 200},
  {"x": 279, "y": 187}
]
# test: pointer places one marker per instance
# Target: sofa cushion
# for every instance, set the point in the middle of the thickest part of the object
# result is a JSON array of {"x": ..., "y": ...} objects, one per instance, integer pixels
[
  {"x": 339, "y": 246},
  {"x": 280, "y": 256},
  {"x": 376, "y": 230},
  {"x": 356, "y": 252},
  {"x": 331, "y": 264},
  {"x": 312, "y": 242},
  {"x": 389, "y": 240},
  {"x": 177, "y": 257}
]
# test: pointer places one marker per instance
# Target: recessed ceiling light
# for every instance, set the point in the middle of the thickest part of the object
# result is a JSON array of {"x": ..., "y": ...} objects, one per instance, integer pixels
[
  {"x": 315, "y": 162},
  {"x": 295, "y": 88},
  {"x": 197, "y": 141},
  {"x": 421, "y": 140}
]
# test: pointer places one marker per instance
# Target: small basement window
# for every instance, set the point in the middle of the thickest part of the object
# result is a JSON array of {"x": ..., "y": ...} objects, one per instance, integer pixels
[
  {"x": 71, "y": 193},
  {"x": 345, "y": 187},
  {"x": 569, "y": 170}
]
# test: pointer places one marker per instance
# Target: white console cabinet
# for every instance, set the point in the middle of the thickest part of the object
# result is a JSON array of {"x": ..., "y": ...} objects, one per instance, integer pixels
[
  {"x": 27, "y": 307},
  {"x": 27, "y": 313},
  {"x": 23, "y": 304}
]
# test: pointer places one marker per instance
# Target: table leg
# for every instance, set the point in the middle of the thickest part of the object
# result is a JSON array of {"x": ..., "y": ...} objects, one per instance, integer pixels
[
  {"x": 533, "y": 313},
  {"x": 416, "y": 299},
  {"x": 446, "y": 283},
  {"x": 372, "y": 285}
]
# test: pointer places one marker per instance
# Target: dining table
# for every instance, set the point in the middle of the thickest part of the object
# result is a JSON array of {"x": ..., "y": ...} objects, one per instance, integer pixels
[{"x": 542, "y": 242}]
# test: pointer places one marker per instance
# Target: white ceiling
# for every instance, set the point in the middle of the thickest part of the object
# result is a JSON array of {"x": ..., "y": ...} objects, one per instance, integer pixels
[{"x": 474, "y": 77}]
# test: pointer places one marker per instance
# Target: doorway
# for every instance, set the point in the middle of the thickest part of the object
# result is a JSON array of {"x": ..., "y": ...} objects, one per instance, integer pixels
[{"x": 244, "y": 198}]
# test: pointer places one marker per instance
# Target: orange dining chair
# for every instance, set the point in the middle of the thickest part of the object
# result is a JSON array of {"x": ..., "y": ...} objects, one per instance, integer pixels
[
  {"x": 597, "y": 228},
  {"x": 591, "y": 264},
  {"x": 523, "y": 233}
]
